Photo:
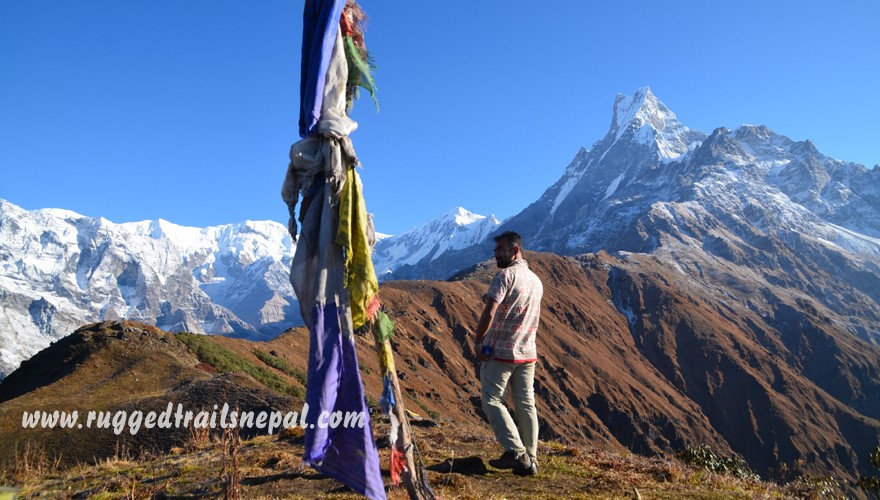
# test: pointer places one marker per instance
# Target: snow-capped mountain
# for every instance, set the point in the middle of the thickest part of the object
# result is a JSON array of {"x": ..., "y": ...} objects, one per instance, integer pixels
[
  {"x": 394, "y": 255},
  {"x": 60, "y": 270},
  {"x": 776, "y": 209},
  {"x": 650, "y": 167},
  {"x": 653, "y": 164}
]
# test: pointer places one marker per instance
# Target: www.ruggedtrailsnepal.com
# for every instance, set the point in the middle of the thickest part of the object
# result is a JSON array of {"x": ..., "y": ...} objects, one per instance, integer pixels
[{"x": 203, "y": 419}]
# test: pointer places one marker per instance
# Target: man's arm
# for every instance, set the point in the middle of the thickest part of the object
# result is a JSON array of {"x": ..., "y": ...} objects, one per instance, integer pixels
[{"x": 486, "y": 319}]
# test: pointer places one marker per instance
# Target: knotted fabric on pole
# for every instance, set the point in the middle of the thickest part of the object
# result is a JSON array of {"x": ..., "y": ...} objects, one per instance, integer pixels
[{"x": 321, "y": 166}]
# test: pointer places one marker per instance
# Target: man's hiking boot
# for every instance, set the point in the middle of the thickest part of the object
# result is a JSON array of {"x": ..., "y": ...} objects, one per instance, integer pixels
[
  {"x": 531, "y": 470},
  {"x": 522, "y": 465},
  {"x": 507, "y": 460}
]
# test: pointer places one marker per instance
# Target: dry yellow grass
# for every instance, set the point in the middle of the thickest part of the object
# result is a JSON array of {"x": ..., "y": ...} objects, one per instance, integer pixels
[{"x": 271, "y": 467}]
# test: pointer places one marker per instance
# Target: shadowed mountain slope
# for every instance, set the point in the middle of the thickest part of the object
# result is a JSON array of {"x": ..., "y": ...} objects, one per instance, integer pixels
[{"x": 636, "y": 353}]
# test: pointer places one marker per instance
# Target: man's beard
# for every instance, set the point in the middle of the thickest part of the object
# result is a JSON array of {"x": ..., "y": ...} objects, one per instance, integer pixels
[{"x": 501, "y": 263}]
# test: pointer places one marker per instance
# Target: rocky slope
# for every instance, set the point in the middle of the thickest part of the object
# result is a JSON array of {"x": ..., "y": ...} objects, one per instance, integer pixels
[
  {"x": 640, "y": 355},
  {"x": 117, "y": 367},
  {"x": 633, "y": 356}
]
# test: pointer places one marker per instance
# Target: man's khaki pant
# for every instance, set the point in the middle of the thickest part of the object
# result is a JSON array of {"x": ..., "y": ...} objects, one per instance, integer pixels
[{"x": 522, "y": 436}]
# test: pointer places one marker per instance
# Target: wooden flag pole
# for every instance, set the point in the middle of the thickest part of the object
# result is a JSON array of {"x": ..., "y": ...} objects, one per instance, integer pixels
[{"x": 413, "y": 476}]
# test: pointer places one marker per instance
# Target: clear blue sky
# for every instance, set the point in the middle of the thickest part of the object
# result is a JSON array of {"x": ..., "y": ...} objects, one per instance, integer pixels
[{"x": 185, "y": 110}]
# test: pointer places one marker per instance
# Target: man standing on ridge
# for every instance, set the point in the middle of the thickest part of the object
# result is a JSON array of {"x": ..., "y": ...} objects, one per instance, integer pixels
[{"x": 506, "y": 343}]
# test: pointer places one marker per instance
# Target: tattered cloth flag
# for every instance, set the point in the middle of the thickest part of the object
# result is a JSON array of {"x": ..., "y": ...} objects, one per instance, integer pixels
[
  {"x": 332, "y": 279},
  {"x": 332, "y": 271}
]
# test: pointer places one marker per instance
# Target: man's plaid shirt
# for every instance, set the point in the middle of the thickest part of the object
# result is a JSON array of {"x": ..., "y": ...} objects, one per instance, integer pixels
[{"x": 518, "y": 292}]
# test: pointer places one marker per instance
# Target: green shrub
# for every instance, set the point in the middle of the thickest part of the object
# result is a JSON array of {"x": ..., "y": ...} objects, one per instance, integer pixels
[
  {"x": 811, "y": 485},
  {"x": 281, "y": 365},
  {"x": 871, "y": 484},
  {"x": 703, "y": 456},
  {"x": 224, "y": 361}
]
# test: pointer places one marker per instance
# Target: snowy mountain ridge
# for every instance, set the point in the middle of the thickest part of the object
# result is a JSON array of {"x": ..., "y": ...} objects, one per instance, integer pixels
[
  {"x": 60, "y": 270},
  {"x": 453, "y": 230},
  {"x": 651, "y": 122},
  {"x": 643, "y": 119},
  {"x": 649, "y": 157}
]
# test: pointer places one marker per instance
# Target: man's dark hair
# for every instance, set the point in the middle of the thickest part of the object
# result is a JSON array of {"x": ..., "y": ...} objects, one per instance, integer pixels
[{"x": 510, "y": 238}]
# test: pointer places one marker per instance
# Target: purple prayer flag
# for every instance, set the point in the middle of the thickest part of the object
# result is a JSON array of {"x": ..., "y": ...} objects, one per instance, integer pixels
[
  {"x": 320, "y": 25},
  {"x": 346, "y": 454}
]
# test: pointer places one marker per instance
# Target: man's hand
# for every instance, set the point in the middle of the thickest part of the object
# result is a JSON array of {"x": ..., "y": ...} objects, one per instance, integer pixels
[
  {"x": 480, "y": 348},
  {"x": 483, "y": 326}
]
